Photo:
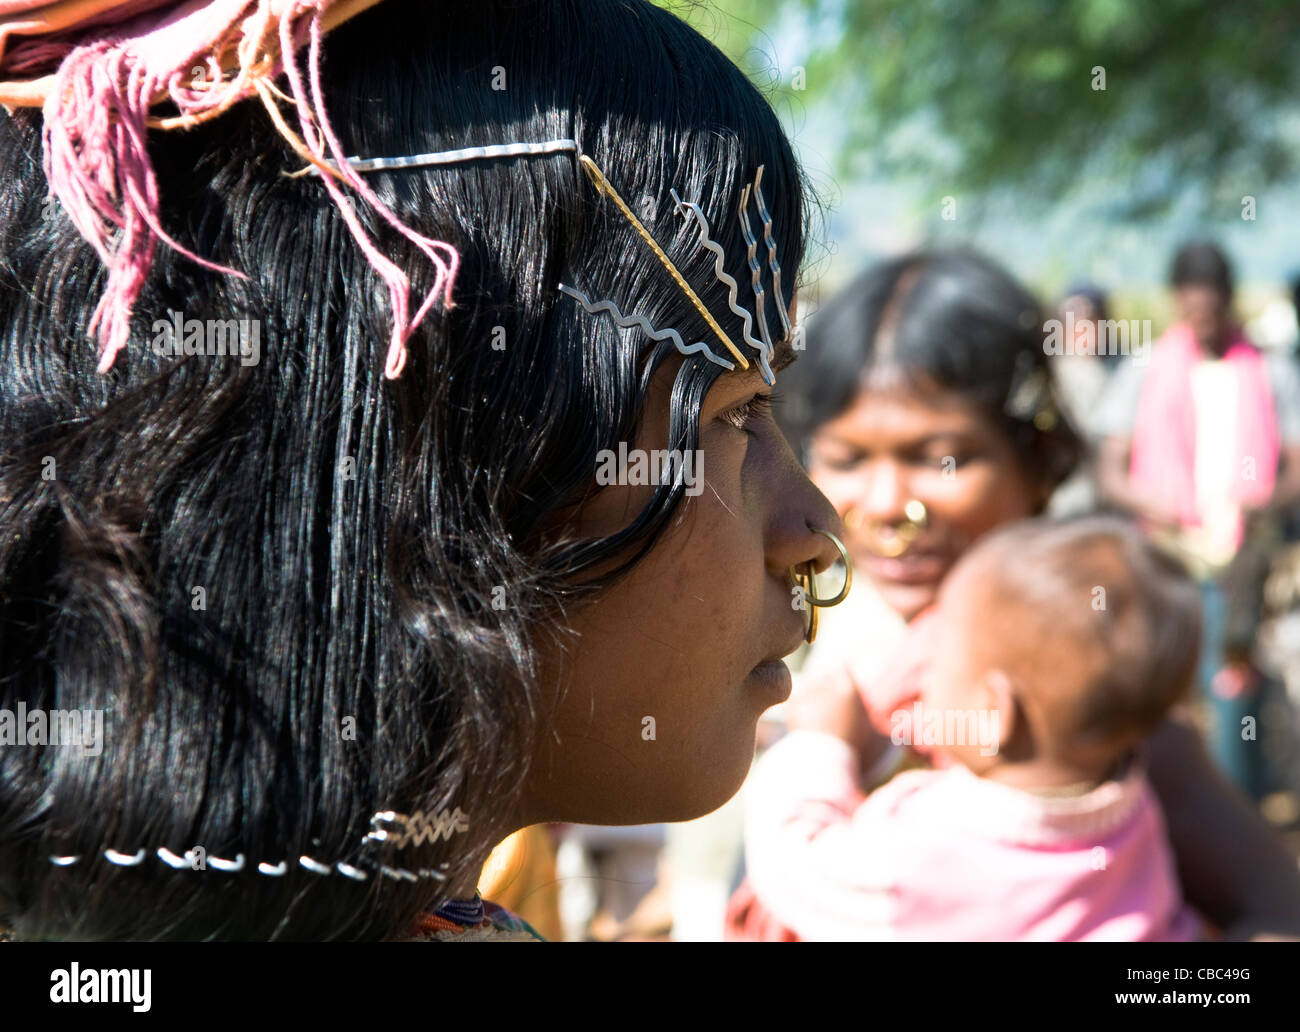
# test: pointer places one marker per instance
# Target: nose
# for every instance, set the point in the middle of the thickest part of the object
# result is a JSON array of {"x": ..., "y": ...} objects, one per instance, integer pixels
[
  {"x": 800, "y": 510},
  {"x": 884, "y": 493}
]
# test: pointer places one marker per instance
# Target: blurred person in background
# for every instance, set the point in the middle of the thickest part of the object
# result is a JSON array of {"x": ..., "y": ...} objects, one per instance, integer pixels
[
  {"x": 1202, "y": 444},
  {"x": 1081, "y": 367}
]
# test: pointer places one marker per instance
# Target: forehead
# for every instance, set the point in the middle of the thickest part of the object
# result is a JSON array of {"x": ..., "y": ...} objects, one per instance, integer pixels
[{"x": 900, "y": 412}]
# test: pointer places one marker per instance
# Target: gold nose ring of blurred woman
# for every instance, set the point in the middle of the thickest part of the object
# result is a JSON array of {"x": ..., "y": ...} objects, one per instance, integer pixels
[{"x": 890, "y": 541}]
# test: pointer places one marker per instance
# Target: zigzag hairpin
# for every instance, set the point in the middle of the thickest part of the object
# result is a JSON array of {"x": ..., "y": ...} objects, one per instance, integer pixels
[
  {"x": 642, "y": 323},
  {"x": 755, "y": 268},
  {"x": 688, "y": 209},
  {"x": 773, "y": 264},
  {"x": 413, "y": 830}
]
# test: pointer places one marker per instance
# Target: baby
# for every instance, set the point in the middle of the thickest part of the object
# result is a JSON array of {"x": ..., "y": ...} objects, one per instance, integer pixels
[{"x": 1057, "y": 648}]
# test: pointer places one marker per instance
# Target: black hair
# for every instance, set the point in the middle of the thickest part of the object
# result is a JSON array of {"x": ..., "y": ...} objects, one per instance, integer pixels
[
  {"x": 377, "y": 560},
  {"x": 1201, "y": 263},
  {"x": 1094, "y": 295},
  {"x": 959, "y": 322}
]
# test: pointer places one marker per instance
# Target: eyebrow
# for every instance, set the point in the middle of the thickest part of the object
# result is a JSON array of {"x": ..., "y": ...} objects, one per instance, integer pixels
[
  {"x": 783, "y": 356},
  {"x": 921, "y": 442}
]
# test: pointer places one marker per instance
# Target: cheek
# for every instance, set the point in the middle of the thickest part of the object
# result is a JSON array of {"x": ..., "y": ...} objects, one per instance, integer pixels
[
  {"x": 981, "y": 497},
  {"x": 657, "y": 723}
]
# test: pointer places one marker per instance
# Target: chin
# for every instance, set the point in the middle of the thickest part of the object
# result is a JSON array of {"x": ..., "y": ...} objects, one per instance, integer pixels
[
  {"x": 696, "y": 792},
  {"x": 907, "y": 599}
]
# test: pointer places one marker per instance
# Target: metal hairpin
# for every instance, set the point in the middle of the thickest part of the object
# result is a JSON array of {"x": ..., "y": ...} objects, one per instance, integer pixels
[
  {"x": 604, "y": 186},
  {"x": 689, "y": 209},
  {"x": 642, "y": 323},
  {"x": 415, "y": 829},
  {"x": 772, "y": 263},
  {"x": 451, "y": 157},
  {"x": 545, "y": 147},
  {"x": 755, "y": 268}
]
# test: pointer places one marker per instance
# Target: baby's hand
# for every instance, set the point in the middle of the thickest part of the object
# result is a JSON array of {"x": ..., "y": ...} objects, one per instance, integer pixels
[
  {"x": 889, "y": 697},
  {"x": 833, "y": 705}
]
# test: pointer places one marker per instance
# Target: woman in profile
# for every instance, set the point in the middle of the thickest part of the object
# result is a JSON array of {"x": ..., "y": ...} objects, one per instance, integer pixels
[{"x": 355, "y": 610}]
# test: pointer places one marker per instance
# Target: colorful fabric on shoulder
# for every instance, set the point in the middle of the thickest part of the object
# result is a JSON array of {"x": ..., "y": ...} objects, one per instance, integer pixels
[{"x": 471, "y": 920}]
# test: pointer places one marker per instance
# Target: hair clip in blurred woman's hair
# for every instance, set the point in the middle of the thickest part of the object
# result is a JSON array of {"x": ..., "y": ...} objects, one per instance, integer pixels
[{"x": 1030, "y": 397}]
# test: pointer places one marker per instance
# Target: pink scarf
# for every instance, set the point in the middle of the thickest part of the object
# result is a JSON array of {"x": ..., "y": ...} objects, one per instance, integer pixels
[{"x": 1164, "y": 435}]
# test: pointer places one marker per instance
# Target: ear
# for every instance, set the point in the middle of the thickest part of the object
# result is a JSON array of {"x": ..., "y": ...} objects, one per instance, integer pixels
[{"x": 998, "y": 693}]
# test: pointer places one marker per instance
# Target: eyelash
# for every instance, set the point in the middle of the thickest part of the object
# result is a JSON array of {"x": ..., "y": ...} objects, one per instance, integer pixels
[{"x": 758, "y": 405}]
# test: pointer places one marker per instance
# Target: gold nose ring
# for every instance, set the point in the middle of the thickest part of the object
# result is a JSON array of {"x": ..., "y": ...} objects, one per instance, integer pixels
[
  {"x": 900, "y": 538},
  {"x": 804, "y": 581}
]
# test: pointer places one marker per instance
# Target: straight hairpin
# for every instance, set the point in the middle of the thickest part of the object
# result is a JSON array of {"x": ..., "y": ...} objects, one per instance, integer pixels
[{"x": 452, "y": 157}]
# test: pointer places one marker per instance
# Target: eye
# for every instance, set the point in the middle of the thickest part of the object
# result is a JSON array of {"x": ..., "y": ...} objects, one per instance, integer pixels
[
  {"x": 952, "y": 458},
  {"x": 837, "y": 456},
  {"x": 742, "y": 415}
]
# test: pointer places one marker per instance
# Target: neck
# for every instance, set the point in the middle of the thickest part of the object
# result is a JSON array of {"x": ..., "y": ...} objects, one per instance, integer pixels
[{"x": 1045, "y": 775}]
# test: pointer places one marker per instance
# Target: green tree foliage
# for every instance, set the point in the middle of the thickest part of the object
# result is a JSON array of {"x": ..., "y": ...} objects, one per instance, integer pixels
[{"x": 973, "y": 95}]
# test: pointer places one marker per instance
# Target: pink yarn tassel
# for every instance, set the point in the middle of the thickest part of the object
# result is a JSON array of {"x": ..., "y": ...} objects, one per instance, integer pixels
[{"x": 97, "y": 116}]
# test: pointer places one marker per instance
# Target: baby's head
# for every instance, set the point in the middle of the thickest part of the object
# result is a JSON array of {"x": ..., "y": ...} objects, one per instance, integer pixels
[{"x": 1072, "y": 639}]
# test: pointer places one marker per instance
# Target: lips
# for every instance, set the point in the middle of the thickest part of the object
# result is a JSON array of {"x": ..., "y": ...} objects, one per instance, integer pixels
[
  {"x": 912, "y": 567},
  {"x": 772, "y": 678}
]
